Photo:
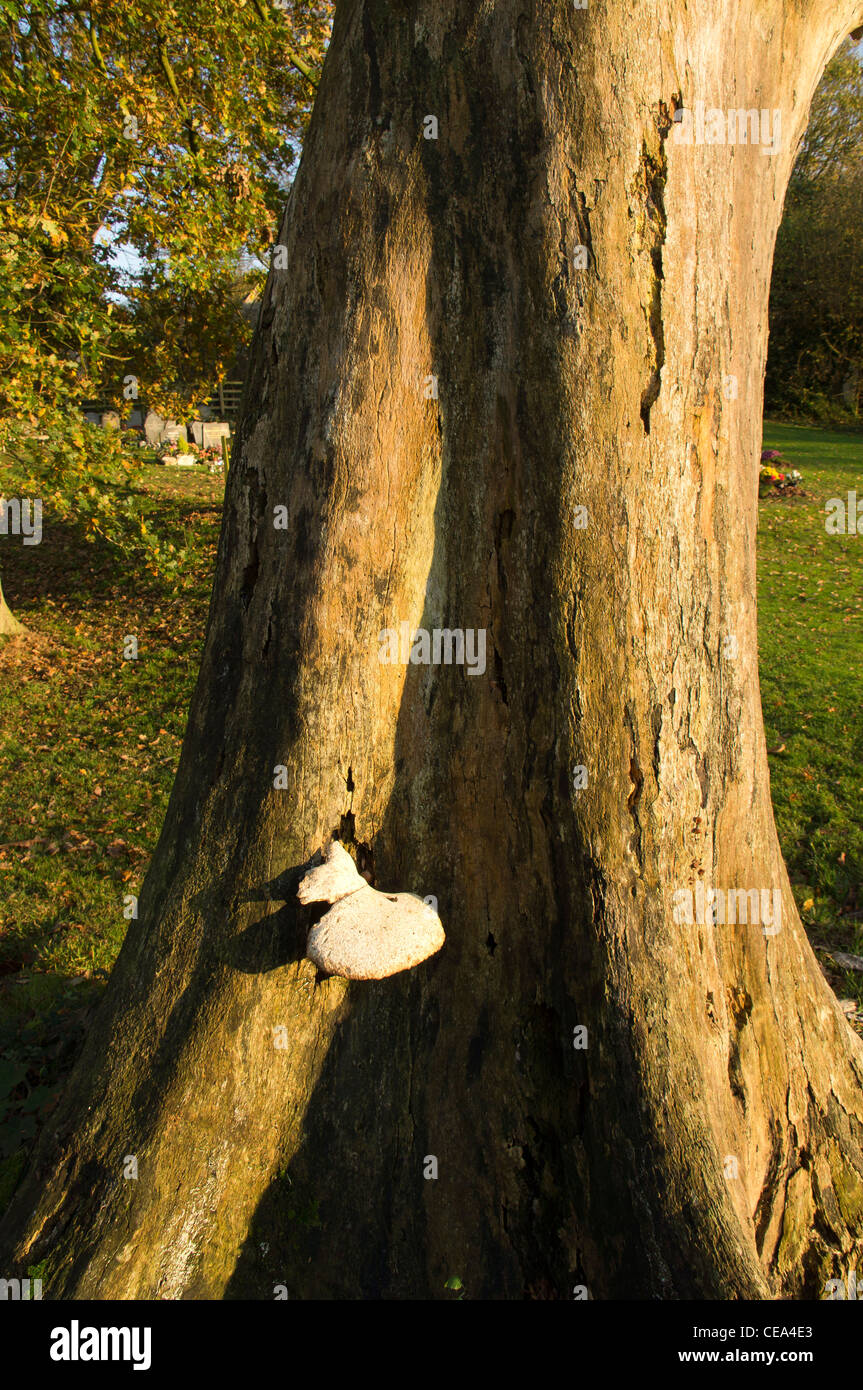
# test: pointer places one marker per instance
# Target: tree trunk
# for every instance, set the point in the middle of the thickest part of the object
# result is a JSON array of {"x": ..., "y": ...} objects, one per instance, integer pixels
[
  {"x": 707, "y": 1140},
  {"x": 9, "y": 624}
]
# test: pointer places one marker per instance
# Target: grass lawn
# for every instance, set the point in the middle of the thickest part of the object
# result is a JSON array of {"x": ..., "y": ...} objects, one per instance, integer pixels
[
  {"x": 90, "y": 743},
  {"x": 810, "y": 630}
]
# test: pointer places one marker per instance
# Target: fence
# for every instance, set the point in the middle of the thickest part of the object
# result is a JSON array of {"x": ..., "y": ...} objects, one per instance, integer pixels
[{"x": 224, "y": 402}]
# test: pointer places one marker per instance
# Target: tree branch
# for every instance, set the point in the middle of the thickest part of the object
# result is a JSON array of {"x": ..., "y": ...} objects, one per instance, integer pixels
[
  {"x": 171, "y": 79},
  {"x": 293, "y": 58}
]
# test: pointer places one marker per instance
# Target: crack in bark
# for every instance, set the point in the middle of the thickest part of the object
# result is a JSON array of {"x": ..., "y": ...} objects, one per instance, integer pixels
[
  {"x": 654, "y": 172},
  {"x": 582, "y": 215},
  {"x": 636, "y": 777}
]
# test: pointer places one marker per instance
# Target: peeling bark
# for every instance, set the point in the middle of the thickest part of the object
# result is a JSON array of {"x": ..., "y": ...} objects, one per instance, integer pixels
[{"x": 558, "y": 387}]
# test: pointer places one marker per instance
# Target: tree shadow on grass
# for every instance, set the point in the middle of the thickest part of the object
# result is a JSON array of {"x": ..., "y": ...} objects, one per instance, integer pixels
[{"x": 71, "y": 572}]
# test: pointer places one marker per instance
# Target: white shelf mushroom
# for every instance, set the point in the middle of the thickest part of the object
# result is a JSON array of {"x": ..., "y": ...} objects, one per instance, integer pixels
[{"x": 366, "y": 935}]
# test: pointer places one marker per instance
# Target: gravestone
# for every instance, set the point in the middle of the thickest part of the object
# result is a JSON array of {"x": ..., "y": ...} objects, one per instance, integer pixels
[
  {"x": 110, "y": 420},
  {"x": 213, "y": 432},
  {"x": 174, "y": 433},
  {"x": 153, "y": 426}
]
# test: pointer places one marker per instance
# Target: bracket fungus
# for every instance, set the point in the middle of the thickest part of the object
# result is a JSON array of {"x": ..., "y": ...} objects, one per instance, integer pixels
[{"x": 365, "y": 935}]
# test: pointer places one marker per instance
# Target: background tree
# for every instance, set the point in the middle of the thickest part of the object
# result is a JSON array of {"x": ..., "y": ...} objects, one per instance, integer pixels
[
  {"x": 144, "y": 148},
  {"x": 590, "y": 295},
  {"x": 815, "y": 363},
  {"x": 168, "y": 130}
]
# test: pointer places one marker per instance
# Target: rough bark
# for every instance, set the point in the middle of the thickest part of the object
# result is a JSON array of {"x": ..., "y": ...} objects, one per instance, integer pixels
[{"x": 558, "y": 387}]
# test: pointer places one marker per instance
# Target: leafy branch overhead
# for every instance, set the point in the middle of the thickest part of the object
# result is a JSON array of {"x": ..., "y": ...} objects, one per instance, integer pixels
[{"x": 144, "y": 151}]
